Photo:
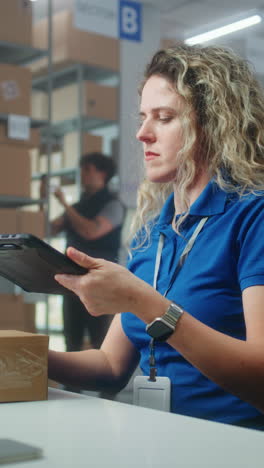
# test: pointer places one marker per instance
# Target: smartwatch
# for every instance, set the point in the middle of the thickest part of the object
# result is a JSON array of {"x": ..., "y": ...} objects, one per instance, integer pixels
[{"x": 162, "y": 327}]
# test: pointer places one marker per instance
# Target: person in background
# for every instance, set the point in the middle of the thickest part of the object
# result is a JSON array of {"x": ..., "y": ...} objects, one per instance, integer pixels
[
  {"x": 92, "y": 225},
  {"x": 194, "y": 286}
]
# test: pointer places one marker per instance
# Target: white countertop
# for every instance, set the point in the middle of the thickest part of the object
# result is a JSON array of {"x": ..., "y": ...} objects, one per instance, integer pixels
[{"x": 82, "y": 431}]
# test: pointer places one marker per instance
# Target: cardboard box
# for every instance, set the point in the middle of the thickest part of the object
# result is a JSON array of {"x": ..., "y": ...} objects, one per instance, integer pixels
[
  {"x": 29, "y": 313},
  {"x": 32, "y": 222},
  {"x": 90, "y": 143},
  {"x": 15, "y": 90},
  {"x": 34, "y": 163},
  {"x": 99, "y": 101},
  {"x": 14, "y": 221},
  {"x": 24, "y": 369},
  {"x": 56, "y": 160},
  {"x": 72, "y": 45},
  {"x": 33, "y": 142},
  {"x": 15, "y": 171},
  {"x": 39, "y": 105},
  {"x": 12, "y": 313},
  {"x": 16, "y": 21},
  {"x": 39, "y": 164},
  {"x": 16, "y": 314},
  {"x": 8, "y": 221}
]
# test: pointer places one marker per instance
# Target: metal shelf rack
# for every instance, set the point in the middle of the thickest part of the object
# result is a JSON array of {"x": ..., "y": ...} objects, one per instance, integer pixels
[
  {"x": 18, "y": 54},
  {"x": 13, "y": 201}
]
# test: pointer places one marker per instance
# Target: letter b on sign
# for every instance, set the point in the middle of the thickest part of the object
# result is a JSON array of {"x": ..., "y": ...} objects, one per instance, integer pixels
[{"x": 130, "y": 20}]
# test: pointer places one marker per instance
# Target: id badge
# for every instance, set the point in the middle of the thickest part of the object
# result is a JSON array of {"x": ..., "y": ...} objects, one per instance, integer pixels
[{"x": 152, "y": 394}]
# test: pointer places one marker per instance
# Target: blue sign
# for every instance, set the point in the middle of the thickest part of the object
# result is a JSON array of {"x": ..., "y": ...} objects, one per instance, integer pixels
[{"x": 130, "y": 24}]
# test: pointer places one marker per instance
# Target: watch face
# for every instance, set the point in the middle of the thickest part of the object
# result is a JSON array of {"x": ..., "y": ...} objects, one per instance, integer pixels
[{"x": 160, "y": 330}]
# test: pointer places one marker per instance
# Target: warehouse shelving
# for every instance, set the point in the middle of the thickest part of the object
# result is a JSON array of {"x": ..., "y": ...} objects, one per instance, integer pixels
[
  {"x": 18, "y": 54},
  {"x": 12, "y": 201},
  {"x": 34, "y": 123},
  {"x": 74, "y": 74},
  {"x": 53, "y": 133}
]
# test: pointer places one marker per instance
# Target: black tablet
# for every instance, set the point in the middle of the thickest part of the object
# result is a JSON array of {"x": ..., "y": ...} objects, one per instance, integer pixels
[{"x": 31, "y": 263}]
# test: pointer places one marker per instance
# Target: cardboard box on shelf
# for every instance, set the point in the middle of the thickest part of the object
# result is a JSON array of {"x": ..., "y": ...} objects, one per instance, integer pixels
[
  {"x": 72, "y": 45},
  {"x": 15, "y": 90},
  {"x": 90, "y": 143},
  {"x": 8, "y": 221},
  {"x": 15, "y": 171},
  {"x": 24, "y": 358},
  {"x": 99, "y": 101},
  {"x": 34, "y": 161},
  {"x": 29, "y": 313},
  {"x": 39, "y": 105},
  {"x": 16, "y": 314},
  {"x": 32, "y": 222},
  {"x": 16, "y": 21},
  {"x": 39, "y": 163},
  {"x": 56, "y": 160},
  {"x": 34, "y": 188},
  {"x": 14, "y": 221},
  {"x": 33, "y": 142}
]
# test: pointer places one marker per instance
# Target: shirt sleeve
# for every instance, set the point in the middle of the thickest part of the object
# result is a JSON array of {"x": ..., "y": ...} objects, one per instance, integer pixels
[
  {"x": 114, "y": 212},
  {"x": 251, "y": 246}
]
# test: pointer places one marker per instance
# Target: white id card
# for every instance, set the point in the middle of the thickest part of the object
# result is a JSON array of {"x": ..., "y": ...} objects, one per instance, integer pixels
[{"x": 152, "y": 394}]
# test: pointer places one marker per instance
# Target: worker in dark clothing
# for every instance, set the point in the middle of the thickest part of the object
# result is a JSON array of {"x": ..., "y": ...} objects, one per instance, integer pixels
[{"x": 92, "y": 225}]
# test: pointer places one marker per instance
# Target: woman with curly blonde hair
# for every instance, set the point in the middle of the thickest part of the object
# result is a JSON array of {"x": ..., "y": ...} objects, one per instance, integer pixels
[
  {"x": 228, "y": 101},
  {"x": 189, "y": 307}
]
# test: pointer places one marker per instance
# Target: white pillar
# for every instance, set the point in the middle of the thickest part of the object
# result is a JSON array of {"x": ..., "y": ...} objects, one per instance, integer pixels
[{"x": 133, "y": 59}]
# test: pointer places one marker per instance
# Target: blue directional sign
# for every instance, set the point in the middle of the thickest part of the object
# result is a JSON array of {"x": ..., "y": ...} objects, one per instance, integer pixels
[{"x": 130, "y": 20}]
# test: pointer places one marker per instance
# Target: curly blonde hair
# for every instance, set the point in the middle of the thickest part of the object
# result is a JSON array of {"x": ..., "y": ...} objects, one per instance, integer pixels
[{"x": 228, "y": 102}]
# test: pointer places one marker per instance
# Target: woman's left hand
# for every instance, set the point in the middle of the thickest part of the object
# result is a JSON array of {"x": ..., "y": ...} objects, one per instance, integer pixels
[{"x": 107, "y": 288}]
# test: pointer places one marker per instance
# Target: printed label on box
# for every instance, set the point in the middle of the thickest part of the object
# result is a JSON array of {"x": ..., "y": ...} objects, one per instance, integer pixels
[{"x": 18, "y": 127}]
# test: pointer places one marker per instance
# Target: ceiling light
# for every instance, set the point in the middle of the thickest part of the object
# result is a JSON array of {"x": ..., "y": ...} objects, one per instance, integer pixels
[{"x": 229, "y": 28}]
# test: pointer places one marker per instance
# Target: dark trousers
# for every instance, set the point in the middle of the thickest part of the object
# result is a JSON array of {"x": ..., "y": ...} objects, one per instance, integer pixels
[{"x": 77, "y": 321}]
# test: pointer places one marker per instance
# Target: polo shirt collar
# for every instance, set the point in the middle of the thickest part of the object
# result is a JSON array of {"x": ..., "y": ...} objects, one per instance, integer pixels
[{"x": 210, "y": 202}]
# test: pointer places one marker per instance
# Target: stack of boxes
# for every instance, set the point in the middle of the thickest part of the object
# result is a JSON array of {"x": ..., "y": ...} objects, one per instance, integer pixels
[
  {"x": 23, "y": 353},
  {"x": 15, "y": 99},
  {"x": 73, "y": 46},
  {"x": 15, "y": 159},
  {"x": 16, "y": 22},
  {"x": 70, "y": 46}
]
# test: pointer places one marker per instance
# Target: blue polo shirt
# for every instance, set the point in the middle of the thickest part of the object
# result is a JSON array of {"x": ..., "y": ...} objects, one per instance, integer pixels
[{"x": 227, "y": 257}]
